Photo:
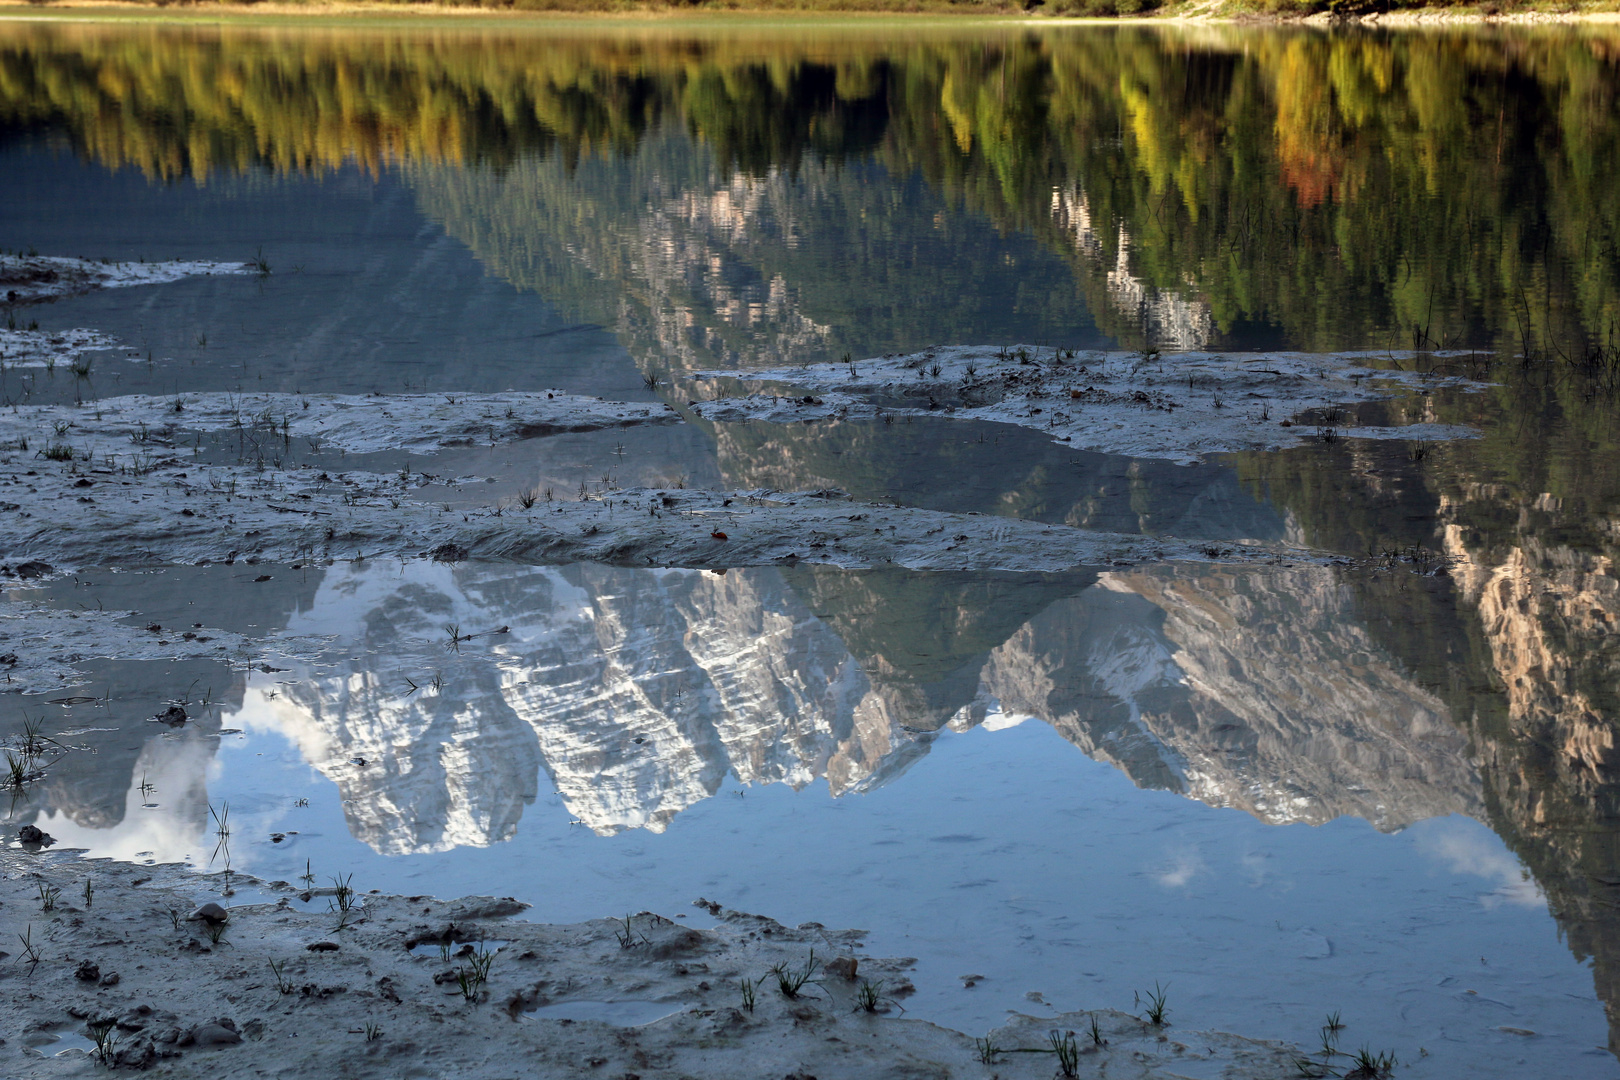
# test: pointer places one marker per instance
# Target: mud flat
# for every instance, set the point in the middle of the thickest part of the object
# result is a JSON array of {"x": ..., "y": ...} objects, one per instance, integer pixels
[
  {"x": 1178, "y": 407},
  {"x": 289, "y": 984},
  {"x": 67, "y": 517},
  {"x": 354, "y": 423},
  {"x": 28, "y": 279},
  {"x": 122, "y": 482}
]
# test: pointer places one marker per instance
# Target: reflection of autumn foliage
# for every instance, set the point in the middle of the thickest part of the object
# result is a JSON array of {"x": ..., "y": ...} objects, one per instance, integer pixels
[
  {"x": 1307, "y": 151},
  {"x": 1350, "y": 189}
]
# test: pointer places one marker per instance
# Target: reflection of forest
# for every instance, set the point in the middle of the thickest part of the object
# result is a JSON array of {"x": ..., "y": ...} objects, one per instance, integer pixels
[{"x": 1328, "y": 190}]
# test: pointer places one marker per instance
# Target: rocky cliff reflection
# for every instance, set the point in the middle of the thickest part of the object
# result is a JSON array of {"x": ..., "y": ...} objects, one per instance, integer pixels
[{"x": 638, "y": 691}]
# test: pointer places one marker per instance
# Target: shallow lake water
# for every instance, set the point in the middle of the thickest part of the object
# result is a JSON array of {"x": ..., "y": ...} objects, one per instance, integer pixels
[{"x": 1381, "y": 784}]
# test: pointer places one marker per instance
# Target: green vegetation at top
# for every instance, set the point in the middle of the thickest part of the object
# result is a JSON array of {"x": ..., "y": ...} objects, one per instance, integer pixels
[{"x": 956, "y": 9}]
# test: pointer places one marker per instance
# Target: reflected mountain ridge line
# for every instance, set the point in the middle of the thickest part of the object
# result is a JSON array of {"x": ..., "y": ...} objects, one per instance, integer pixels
[{"x": 638, "y": 692}]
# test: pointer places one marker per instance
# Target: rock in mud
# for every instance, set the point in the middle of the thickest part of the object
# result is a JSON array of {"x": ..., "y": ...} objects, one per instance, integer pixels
[
  {"x": 209, "y": 912},
  {"x": 842, "y": 967},
  {"x": 31, "y": 834},
  {"x": 87, "y": 971},
  {"x": 34, "y": 569},
  {"x": 174, "y": 716},
  {"x": 680, "y": 942},
  {"x": 220, "y": 1032}
]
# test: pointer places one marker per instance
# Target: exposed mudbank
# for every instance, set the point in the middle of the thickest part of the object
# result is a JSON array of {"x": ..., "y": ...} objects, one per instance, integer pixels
[
  {"x": 27, "y": 279},
  {"x": 72, "y": 511},
  {"x": 1178, "y": 407},
  {"x": 355, "y": 423},
  {"x": 122, "y": 481},
  {"x": 325, "y": 985},
  {"x": 48, "y": 348}
]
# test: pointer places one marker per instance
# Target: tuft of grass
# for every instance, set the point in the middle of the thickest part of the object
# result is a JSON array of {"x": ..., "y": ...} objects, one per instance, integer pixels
[
  {"x": 1156, "y": 1009},
  {"x": 868, "y": 996},
  {"x": 215, "y": 931},
  {"x": 343, "y": 897},
  {"x": 57, "y": 452},
  {"x": 1067, "y": 1052},
  {"x": 629, "y": 938},
  {"x": 105, "y": 1034},
  {"x": 749, "y": 989},
  {"x": 1366, "y": 1065},
  {"x": 650, "y": 380},
  {"x": 373, "y": 1031},
  {"x": 81, "y": 366},
  {"x": 30, "y": 954},
  {"x": 174, "y": 918},
  {"x": 260, "y": 265},
  {"x": 1095, "y": 1031},
  {"x": 18, "y": 770},
  {"x": 222, "y": 819},
  {"x": 987, "y": 1050},
  {"x": 279, "y": 970},
  {"x": 33, "y": 740},
  {"x": 89, "y": 893},
  {"x": 471, "y": 979},
  {"x": 791, "y": 981},
  {"x": 48, "y": 896}
]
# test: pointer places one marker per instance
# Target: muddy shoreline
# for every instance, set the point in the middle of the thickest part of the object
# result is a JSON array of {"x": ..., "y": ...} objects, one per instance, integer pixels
[{"x": 124, "y": 964}]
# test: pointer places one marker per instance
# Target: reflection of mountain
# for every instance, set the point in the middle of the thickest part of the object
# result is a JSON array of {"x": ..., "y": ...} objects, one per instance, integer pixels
[
  {"x": 1547, "y": 616},
  {"x": 639, "y": 691},
  {"x": 1253, "y": 690},
  {"x": 1518, "y": 636},
  {"x": 694, "y": 265}
]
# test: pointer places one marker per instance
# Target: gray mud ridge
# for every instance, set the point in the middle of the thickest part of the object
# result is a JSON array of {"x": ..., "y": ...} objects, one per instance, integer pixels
[
  {"x": 28, "y": 279},
  {"x": 1178, "y": 407},
  {"x": 70, "y": 514},
  {"x": 354, "y": 423},
  {"x": 120, "y": 482},
  {"x": 405, "y": 986}
]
